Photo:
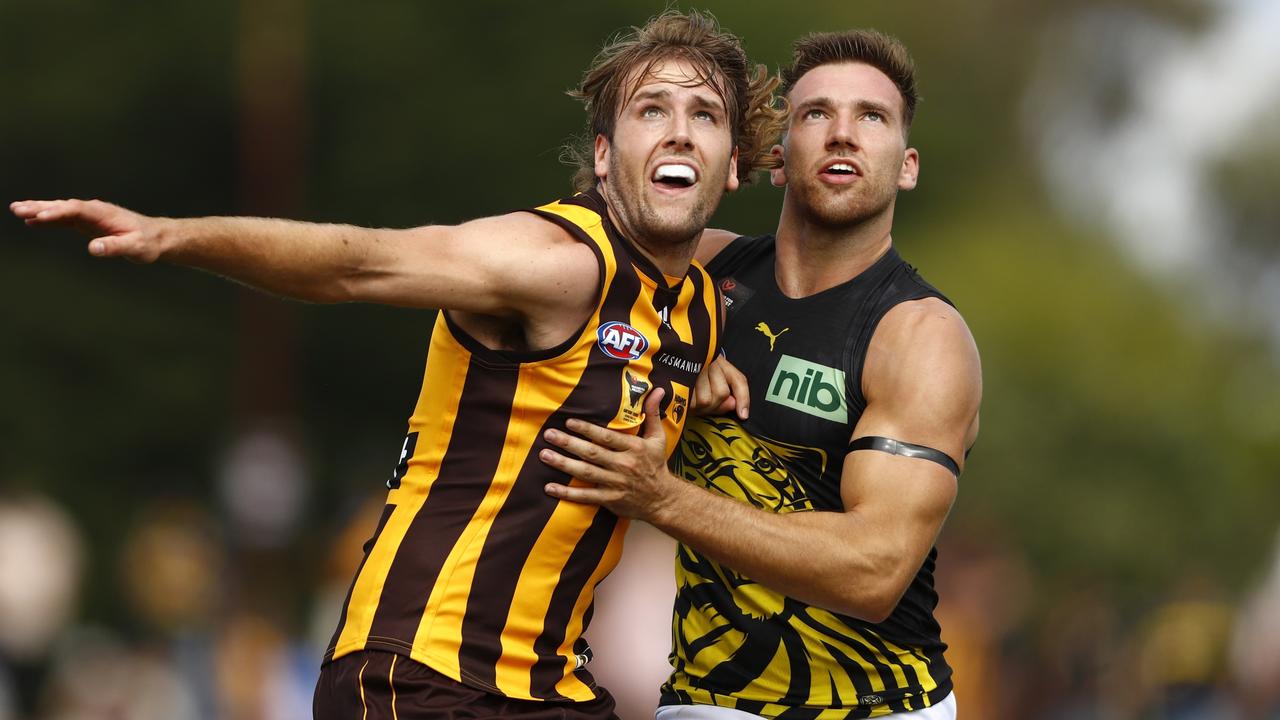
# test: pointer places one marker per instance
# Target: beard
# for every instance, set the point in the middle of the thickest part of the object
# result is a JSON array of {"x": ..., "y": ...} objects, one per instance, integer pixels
[
  {"x": 843, "y": 207},
  {"x": 645, "y": 221}
]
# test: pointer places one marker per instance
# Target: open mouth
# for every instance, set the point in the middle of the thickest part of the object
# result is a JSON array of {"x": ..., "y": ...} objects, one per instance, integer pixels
[
  {"x": 840, "y": 169},
  {"x": 672, "y": 176}
]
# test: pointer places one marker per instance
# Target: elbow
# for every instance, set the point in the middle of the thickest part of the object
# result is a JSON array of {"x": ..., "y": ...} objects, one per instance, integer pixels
[
  {"x": 351, "y": 285},
  {"x": 875, "y": 597},
  {"x": 341, "y": 290},
  {"x": 870, "y": 606},
  {"x": 877, "y": 609}
]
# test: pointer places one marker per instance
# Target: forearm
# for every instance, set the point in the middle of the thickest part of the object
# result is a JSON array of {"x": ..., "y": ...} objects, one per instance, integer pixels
[
  {"x": 309, "y": 261},
  {"x": 840, "y": 561}
]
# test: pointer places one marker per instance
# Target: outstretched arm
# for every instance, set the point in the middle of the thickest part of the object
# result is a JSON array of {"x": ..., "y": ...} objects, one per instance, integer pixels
[
  {"x": 923, "y": 386},
  {"x": 512, "y": 264}
]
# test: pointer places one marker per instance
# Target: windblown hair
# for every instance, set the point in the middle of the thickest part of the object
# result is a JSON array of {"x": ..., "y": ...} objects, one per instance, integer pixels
[
  {"x": 719, "y": 61},
  {"x": 882, "y": 52}
]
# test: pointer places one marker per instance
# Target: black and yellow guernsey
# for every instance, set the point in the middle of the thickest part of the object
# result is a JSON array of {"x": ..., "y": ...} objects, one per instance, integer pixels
[
  {"x": 473, "y": 570},
  {"x": 739, "y": 644}
]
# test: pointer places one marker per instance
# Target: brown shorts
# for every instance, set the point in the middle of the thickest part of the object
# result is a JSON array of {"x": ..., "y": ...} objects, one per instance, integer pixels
[{"x": 373, "y": 685}]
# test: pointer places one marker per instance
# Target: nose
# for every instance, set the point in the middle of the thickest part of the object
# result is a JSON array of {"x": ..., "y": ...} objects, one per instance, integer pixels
[
  {"x": 679, "y": 136},
  {"x": 843, "y": 132}
]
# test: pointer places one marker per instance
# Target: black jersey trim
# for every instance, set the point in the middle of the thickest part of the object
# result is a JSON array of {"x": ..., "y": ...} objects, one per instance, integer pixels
[
  {"x": 736, "y": 254},
  {"x": 905, "y": 449}
]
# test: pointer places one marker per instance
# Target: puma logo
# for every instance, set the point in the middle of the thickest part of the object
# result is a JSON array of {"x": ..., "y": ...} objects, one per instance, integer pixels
[{"x": 764, "y": 328}]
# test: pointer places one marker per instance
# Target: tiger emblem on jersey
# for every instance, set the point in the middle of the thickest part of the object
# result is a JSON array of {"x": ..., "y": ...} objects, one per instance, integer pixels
[
  {"x": 719, "y": 455},
  {"x": 732, "y": 633}
]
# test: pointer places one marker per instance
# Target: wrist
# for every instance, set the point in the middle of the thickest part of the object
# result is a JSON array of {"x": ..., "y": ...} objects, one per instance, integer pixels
[
  {"x": 670, "y": 501},
  {"x": 168, "y": 234}
]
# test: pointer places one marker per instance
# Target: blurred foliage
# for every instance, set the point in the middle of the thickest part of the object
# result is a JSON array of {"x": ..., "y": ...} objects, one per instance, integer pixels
[{"x": 1125, "y": 438}]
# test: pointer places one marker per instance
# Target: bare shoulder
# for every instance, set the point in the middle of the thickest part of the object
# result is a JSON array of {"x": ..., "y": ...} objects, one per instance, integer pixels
[
  {"x": 712, "y": 242},
  {"x": 513, "y": 264},
  {"x": 524, "y": 248},
  {"x": 923, "y": 367},
  {"x": 928, "y": 324}
]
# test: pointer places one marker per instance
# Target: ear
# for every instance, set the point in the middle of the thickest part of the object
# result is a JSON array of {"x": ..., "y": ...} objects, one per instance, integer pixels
[
  {"x": 733, "y": 182},
  {"x": 602, "y": 157},
  {"x": 778, "y": 175},
  {"x": 910, "y": 170}
]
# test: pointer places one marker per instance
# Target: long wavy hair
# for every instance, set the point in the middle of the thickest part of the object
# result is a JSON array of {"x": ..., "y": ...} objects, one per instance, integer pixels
[{"x": 720, "y": 62}]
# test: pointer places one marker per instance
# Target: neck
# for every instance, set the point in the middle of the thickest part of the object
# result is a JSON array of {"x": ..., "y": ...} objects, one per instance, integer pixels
[
  {"x": 812, "y": 257},
  {"x": 671, "y": 257}
]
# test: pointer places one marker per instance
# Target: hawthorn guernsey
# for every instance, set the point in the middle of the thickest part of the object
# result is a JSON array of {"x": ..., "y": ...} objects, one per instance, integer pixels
[{"x": 474, "y": 571}]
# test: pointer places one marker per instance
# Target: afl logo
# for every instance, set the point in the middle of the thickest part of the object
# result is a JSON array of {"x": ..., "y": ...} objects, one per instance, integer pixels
[{"x": 620, "y": 340}]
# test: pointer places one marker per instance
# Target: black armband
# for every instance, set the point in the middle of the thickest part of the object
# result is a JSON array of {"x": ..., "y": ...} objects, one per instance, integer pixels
[{"x": 905, "y": 449}]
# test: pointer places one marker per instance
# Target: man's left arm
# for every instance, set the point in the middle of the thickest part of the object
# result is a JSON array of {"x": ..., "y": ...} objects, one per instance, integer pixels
[{"x": 922, "y": 380}]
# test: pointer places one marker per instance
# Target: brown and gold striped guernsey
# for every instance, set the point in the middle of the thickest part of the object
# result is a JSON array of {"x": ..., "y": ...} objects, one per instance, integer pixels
[{"x": 473, "y": 570}]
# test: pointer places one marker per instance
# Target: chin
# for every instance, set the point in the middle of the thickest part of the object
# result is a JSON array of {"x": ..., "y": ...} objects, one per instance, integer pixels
[
  {"x": 837, "y": 213},
  {"x": 675, "y": 225},
  {"x": 673, "y": 231}
]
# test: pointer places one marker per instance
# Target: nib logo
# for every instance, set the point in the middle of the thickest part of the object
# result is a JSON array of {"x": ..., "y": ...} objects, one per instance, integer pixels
[{"x": 810, "y": 388}]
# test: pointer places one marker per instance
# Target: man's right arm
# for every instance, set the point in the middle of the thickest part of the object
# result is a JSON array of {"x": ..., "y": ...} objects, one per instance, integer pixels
[{"x": 513, "y": 264}]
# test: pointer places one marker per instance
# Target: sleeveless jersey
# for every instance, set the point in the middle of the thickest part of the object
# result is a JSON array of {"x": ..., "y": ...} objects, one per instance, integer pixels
[
  {"x": 737, "y": 643},
  {"x": 473, "y": 570}
]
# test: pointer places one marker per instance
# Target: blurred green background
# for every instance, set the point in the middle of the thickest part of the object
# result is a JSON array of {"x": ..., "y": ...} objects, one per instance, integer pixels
[{"x": 1097, "y": 195}]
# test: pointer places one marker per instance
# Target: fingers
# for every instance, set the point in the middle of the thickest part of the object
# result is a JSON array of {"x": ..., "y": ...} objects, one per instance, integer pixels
[
  {"x": 602, "y": 436},
  {"x": 725, "y": 407},
  {"x": 710, "y": 391},
  {"x": 722, "y": 388},
  {"x": 51, "y": 211},
  {"x": 738, "y": 388},
  {"x": 591, "y": 452},
  {"x": 585, "y": 495},
  {"x": 653, "y": 415},
  {"x": 128, "y": 245},
  {"x": 29, "y": 209},
  {"x": 572, "y": 466}
]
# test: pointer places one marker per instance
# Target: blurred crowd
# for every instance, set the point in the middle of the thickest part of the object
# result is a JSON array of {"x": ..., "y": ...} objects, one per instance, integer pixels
[{"x": 214, "y": 626}]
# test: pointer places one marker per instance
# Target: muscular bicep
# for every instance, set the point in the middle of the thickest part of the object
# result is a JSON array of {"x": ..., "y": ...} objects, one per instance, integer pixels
[
  {"x": 517, "y": 264},
  {"x": 923, "y": 385},
  {"x": 922, "y": 379},
  {"x": 901, "y": 504}
]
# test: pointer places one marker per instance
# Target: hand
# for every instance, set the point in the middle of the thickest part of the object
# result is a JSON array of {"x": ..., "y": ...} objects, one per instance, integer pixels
[
  {"x": 628, "y": 473},
  {"x": 720, "y": 389},
  {"x": 115, "y": 231}
]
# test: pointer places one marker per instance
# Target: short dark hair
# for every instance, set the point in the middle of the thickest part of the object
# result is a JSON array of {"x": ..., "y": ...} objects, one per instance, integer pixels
[
  {"x": 882, "y": 52},
  {"x": 721, "y": 63}
]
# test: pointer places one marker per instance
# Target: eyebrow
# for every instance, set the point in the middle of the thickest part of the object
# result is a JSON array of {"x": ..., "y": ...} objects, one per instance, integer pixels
[
  {"x": 641, "y": 95},
  {"x": 699, "y": 101},
  {"x": 825, "y": 103}
]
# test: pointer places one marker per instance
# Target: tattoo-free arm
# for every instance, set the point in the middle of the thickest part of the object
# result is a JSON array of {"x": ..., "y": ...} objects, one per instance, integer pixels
[{"x": 499, "y": 265}]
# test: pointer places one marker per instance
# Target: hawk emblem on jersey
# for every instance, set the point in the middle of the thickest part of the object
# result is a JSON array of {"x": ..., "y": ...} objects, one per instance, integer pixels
[
  {"x": 621, "y": 341},
  {"x": 678, "y": 407},
  {"x": 773, "y": 336}
]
